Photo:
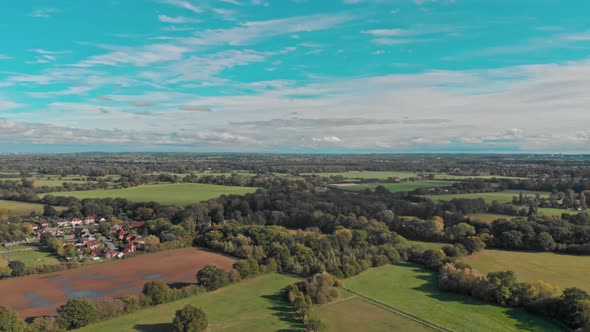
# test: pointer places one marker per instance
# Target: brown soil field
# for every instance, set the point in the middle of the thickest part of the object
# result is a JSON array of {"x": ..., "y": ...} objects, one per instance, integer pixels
[{"x": 41, "y": 295}]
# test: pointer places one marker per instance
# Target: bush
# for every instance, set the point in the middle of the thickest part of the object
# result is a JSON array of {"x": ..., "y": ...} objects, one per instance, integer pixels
[
  {"x": 211, "y": 277},
  {"x": 190, "y": 319},
  {"x": 9, "y": 320},
  {"x": 109, "y": 308},
  {"x": 156, "y": 292},
  {"x": 77, "y": 313}
]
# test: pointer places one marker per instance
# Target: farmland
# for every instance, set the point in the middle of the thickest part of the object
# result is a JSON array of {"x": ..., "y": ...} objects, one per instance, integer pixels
[
  {"x": 251, "y": 305},
  {"x": 358, "y": 175},
  {"x": 560, "y": 270},
  {"x": 166, "y": 194},
  {"x": 20, "y": 208},
  {"x": 500, "y": 196},
  {"x": 484, "y": 177},
  {"x": 111, "y": 279},
  {"x": 414, "y": 290},
  {"x": 354, "y": 314},
  {"x": 397, "y": 187}
]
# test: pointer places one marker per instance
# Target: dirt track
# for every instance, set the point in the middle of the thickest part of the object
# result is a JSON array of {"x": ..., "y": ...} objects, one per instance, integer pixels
[{"x": 40, "y": 295}]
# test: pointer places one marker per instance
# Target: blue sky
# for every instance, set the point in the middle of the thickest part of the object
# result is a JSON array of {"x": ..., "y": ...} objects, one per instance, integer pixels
[{"x": 295, "y": 75}]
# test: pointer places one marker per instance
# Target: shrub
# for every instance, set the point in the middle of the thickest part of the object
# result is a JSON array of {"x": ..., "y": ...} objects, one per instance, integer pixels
[{"x": 190, "y": 319}]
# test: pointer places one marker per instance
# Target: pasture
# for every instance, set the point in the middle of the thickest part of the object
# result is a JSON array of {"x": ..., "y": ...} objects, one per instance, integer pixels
[
  {"x": 111, "y": 279},
  {"x": 30, "y": 254},
  {"x": 488, "y": 217},
  {"x": 166, "y": 194},
  {"x": 250, "y": 305},
  {"x": 414, "y": 290},
  {"x": 555, "y": 212},
  {"x": 560, "y": 270},
  {"x": 500, "y": 196},
  {"x": 397, "y": 187},
  {"x": 354, "y": 314},
  {"x": 358, "y": 175},
  {"x": 20, "y": 208},
  {"x": 483, "y": 177},
  {"x": 426, "y": 245}
]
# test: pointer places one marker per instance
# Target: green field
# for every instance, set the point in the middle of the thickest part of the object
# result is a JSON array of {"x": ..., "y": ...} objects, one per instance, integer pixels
[
  {"x": 414, "y": 290},
  {"x": 500, "y": 196},
  {"x": 488, "y": 217},
  {"x": 251, "y": 305},
  {"x": 20, "y": 208},
  {"x": 426, "y": 245},
  {"x": 354, "y": 314},
  {"x": 167, "y": 194},
  {"x": 555, "y": 212},
  {"x": 397, "y": 187},
  {"x": 485, "y": 177},
  {"x": 35, "y": 256},
  {"x": 357, "y": 175},
  {"x": 560, "y": 270}
]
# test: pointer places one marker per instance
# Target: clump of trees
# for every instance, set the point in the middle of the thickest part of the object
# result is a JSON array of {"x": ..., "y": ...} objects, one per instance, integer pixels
[
  {"x": 318, "y": 289},
  {"x": 190, "y": 319},
  {"x": 572, "y": 307},
  {"x": 9, "y": 320},
  {"x": 77, "y": 313}
]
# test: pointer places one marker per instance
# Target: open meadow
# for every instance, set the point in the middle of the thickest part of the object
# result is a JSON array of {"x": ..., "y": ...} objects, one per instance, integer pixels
[
  {"x": 414, "y": 290},
  {"x": 41, "y": 294},
  {"x": 250, "y": 305},
  {"x": 166, "y": 194},
  {"x": 483, "y": 177},
  {"x": 500, "y": 196},
  {"x": 20, "y": 208},
  {"x": 560, "y": 270},
  {"x": 30, "y": 254},
  {"x": 397, "y": 187},
  {"x": 358, "y": 175},
  {"x": 354, "y": 314}
]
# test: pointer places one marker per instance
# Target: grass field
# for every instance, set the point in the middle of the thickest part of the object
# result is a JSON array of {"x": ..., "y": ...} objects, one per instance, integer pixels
[
  {"x": 488, "y": 217},
  {"x": 560, "y": 270},
  {"x": 397, "y": 187},
  {"x": 251, "y": 305},
  {"x": 167, "y": 194},
  {"x": 426, "y": 245},
  {"x": 555, "y": 212},
  {"x": 354, "y": 314},
  {"x": 20, "y": 208},
  {"x": 414, "y": 291},
  {"x": 33, "y": 257},
  {"x": 500, "y": 196},
  {"x": 485, "y": 177},
  {"x": 357, "y": 175}
]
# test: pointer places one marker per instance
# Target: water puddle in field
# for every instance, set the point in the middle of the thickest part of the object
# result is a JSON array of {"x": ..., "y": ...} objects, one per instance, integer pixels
[
  {"x": 154, "y": 276},
  {"x": 36, "y": 301}
]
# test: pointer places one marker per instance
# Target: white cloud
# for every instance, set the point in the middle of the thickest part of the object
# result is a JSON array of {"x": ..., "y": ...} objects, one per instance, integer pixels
[
  {"x": 4, "y": 57},
  {"x": 327, "y": 139},
  {"x": 233, "y": 2},
  {"x": 43, "y": 13},
  {"x": 6, "y": 105},
  {"x": 386, "y": 32},
  {"x": 252, "y": 31},
  {"x": 75, "y": 90},
  {"x": 140, "y": 57},
  {"x": 175, "y": 19},
  {"x": 184, "y": 5}
]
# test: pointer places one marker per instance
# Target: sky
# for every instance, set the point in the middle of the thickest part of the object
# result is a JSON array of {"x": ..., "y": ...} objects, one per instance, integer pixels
[{"x": 295, "y": 76}]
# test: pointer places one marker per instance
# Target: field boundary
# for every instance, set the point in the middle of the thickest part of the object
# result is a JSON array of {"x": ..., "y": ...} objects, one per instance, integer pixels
[{"x": 399, "y": 312}]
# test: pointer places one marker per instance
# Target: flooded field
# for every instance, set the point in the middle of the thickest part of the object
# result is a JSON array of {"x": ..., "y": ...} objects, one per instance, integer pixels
[{"x": 41, "y": 295}]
